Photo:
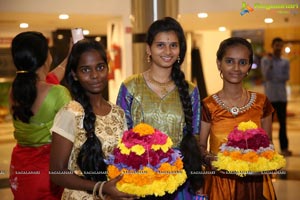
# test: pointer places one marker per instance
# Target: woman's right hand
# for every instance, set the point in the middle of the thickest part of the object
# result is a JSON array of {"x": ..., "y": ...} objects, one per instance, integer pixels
[
  {"x": 111, "y": 190},
  {"x": 208, "y": 159}
]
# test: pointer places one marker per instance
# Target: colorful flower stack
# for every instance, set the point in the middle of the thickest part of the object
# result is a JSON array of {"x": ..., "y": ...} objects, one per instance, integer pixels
[
  {"x": 248, "y": 151},
  {"x": 148, "y": 163}
]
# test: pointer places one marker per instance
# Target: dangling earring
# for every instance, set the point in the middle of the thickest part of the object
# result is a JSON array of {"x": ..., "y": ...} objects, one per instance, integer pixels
[
  {"x": 247, "y": 73},
  {"x": 178, "y": 59},
  {"x": 148, "y": 58},
  {"x": 221, "y": 74}
]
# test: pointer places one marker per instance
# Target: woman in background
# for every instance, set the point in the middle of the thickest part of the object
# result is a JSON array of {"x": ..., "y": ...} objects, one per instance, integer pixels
[{"x": 34, "y": 104}]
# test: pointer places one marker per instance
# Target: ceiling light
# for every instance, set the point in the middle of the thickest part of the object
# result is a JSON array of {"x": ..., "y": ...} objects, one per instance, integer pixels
[
  {"x": 24, "y": 25},
  {"x": 268, "y": 20},
  {"x": 222, "y": 28},
  {"x": 202, "y": 15},
  {"x": 60, "y": 36},
  {"x": 98, "y": 38},
  {"x": 86, "y": 32},
  {"x": 63, "y": 16}
]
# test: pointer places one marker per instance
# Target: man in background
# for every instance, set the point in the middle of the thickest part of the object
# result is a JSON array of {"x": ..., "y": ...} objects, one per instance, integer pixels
[{"x": 276, "y": 72}]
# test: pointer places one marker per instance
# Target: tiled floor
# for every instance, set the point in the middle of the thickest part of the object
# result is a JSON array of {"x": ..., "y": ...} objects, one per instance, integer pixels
[{"x": 287, "y": 185}]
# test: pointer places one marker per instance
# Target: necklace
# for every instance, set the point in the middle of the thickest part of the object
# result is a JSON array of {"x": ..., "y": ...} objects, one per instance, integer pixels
[
  {"x": 163, "y": 86},
  {"x": 234, "y": 110}
]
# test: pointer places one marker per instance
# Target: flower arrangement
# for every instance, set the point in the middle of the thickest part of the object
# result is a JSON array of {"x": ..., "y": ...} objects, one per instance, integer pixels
[
  {"x": 248, "y": 150},
  {"x": 148, "y": 163}
]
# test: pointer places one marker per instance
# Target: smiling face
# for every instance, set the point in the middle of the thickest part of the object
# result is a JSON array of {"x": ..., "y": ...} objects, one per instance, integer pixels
[
  {"x": 234, "y": 64},
  {"x": 92, "y": 72},
  {"x": 164, "y": 50}
]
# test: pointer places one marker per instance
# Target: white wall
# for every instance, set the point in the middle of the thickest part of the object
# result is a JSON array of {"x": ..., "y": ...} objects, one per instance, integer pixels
[{"x": 208, "y": 43}]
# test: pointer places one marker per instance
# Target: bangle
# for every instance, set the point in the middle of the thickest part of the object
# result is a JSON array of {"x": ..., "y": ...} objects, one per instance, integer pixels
[
  {"x": 95, "y": 189},
  {"x": 100, "y": 190}
]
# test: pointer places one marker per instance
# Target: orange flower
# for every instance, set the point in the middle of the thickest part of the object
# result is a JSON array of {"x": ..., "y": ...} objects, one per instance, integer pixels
[
  {"x": 236, "y": 155},
  {"x": 165, "y": 167},
  {"x": 250, "y": 156},
  {"x": 145, "y": 177},
  {"x": 113, "y": 171},
  {"x": 143, "y": 129},
  {"x": 226, "y": 153},
  {"x": 179, "y": 164},
  {"x": 268, "y": 154}
]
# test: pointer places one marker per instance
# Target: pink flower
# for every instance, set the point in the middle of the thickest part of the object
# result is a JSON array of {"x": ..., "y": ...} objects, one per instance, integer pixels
[
  {"x": 236, "y": 135},
  {"x": 159, "y": 138},
  {"x": 249, "y": 139}
]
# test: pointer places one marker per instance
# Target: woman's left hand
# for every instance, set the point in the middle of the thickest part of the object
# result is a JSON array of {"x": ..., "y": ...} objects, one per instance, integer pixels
[{"x": 111, "y": 190}]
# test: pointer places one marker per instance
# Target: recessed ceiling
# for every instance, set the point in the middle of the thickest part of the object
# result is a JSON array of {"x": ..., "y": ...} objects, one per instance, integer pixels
[{"x": 97, "y": 24}]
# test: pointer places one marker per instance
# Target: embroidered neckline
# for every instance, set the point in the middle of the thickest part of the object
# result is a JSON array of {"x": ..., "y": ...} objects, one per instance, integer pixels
[{"x": 235, "y": 110}]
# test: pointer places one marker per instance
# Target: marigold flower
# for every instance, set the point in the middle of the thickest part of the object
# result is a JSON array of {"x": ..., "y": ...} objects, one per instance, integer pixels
[
  {"x": 147, "y": 161},
  {"x": 247, "y": 125},
  {"x": 138, "y": 149},
  {"x": 248, "y": 150},
  {"x": 143, "y": 129}
]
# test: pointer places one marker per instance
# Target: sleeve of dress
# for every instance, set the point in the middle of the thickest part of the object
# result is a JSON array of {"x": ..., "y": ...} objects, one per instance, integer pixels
[
  {"x": 52, "y": 78},
  {"x": 268, "y": 108},
  {"x": 65, "y": 124},
  {"x": 195, "y": 98},
  {"x": 205, "y": 114},
  {"x": 124, "y": 100},
  {"x": 63, "y": 96}
]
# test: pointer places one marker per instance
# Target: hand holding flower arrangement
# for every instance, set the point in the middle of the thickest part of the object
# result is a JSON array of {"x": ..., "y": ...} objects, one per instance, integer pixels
[{"x": 148, "y": 163}]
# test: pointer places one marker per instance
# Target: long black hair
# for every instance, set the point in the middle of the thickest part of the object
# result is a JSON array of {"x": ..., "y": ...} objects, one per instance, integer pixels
[
  {"x": 90, "y": 158},
  {"x": 29, "y": 52},
  {"x": 189, "y": 145}
]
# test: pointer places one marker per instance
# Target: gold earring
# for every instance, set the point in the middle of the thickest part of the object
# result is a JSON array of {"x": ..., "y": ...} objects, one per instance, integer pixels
[
  {"x": 148, "y": 58},
  {"x": 221, "y": 74},
  {"x": 178, "y": 59}
]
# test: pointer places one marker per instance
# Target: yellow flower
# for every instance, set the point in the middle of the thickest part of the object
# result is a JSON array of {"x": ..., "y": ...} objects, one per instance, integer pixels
[
  {"x": 138, "y": 149},
  {"x": 245, "y": 165},
  {"x": 150, "y": 182},
  {"x": 165, "y": 147},
  {"x": 123, "y": 148},
  {"x": 243, "y": 126},
  {"x": 143, "y": 129}
]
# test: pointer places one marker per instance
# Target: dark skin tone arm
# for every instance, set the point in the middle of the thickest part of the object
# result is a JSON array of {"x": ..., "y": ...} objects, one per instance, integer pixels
[
  {"x": 59, "y": 71},
  {"x": 266, "y": 124},
  {"x": 203, "y": 140},
  {"x": 59, "y": 157}
]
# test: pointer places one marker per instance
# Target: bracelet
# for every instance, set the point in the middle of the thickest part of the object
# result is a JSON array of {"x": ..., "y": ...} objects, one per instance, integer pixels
[
  {"x": 100, "y": 190},
  {"x": 95, "y": 189}
]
